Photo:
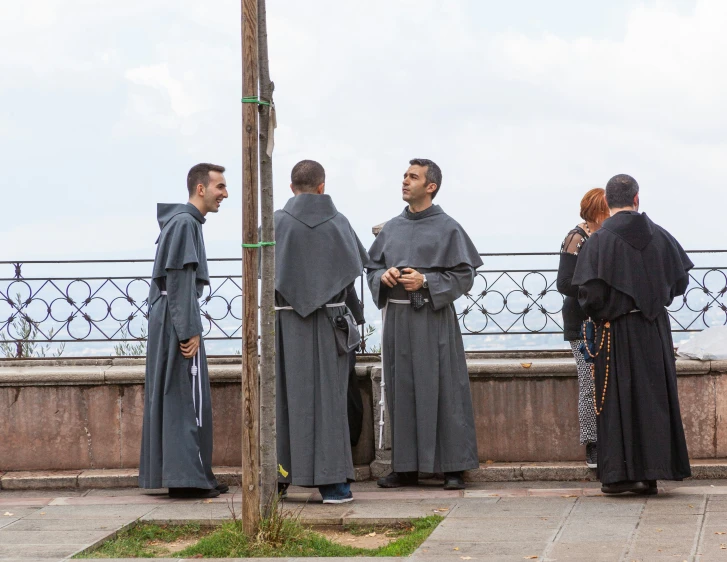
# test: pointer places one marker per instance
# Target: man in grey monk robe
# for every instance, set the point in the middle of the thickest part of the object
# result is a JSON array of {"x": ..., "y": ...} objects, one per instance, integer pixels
[
  {"x": 421, "y": 262},
  {"x": 176, "y": 448},
  {"x": 318, "y": 257}
]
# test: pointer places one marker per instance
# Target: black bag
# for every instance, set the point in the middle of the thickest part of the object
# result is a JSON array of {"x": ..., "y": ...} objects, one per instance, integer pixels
[{"x": 347, "y": 337}]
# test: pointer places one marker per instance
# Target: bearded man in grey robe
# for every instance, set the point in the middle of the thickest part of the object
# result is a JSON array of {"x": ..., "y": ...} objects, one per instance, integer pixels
[
  {"x": 176, "y": 448},
  {"x": 421, "y": 262},
  {"x": 317, "y": 259}
]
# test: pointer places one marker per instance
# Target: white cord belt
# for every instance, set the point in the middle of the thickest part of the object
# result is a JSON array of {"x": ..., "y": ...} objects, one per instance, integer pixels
[
  {"x": 196, "y": 386},
  {"x": 402, "y": 301},
  {"x": 332, "y": 305}
]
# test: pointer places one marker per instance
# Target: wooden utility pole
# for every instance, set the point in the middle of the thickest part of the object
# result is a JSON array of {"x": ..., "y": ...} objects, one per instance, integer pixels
[
  {"x": 268, "y": 441},
  {"x": 250, "y": 376}
]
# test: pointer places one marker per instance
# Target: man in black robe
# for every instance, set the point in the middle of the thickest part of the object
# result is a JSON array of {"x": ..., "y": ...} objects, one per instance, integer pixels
[
  {"x": 420, "y": 263},
  {"x": 317, "y": 259},
  {"x": 176, "y": 448},
  {"x": 628, "y": 273}
]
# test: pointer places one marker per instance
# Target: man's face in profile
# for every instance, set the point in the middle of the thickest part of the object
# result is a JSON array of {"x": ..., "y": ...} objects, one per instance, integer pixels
[
  {"x": 215, "y": 192},
  {"x": 414, "y": 185}
]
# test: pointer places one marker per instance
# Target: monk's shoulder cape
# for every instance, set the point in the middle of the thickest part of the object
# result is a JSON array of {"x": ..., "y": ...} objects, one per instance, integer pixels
[
  {"x": 180, "y": 241},
  {"x": 637, "y": 257},
  {"x": 430, "y": 239},
  {"x": 317, "y": 252}
]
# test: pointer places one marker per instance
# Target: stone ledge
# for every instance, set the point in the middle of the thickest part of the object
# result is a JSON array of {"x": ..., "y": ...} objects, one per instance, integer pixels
[
  {"x": 112, "y": 478},
  {"x": 702, "y": 469},
  {"x": 17, "y": 373},
  {"x": 84, "y": 375}
]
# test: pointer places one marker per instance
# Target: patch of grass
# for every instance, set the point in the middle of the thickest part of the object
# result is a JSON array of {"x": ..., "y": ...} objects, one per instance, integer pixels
[
  {"x": 295, "y": 540},
  {"x": 285, "y": 537},
  {"x": 144, "y": 540}
]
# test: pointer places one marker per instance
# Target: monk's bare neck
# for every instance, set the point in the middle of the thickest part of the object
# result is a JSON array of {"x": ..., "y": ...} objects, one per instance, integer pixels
[{"x": 618, "y": 210}]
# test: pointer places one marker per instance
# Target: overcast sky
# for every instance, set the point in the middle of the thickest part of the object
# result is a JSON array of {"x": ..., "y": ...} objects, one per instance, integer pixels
[{"x": 105, "y": 105}]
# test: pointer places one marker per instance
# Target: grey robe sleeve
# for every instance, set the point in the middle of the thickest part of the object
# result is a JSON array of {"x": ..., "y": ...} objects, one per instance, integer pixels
[
  {"x": 183, "y": 303},
  {"x": 379, "y": 291},
  {"x": 445, "y": 287}
]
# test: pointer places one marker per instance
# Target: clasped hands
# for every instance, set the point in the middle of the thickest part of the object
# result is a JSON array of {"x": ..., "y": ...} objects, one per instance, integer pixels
[
  {"x": 410, "y": 278},
  {"x": 190, "y": 347}
]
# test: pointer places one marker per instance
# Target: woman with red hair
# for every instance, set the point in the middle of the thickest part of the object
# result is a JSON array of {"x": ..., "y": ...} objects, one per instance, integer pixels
[{"x": 594, "y": 211}]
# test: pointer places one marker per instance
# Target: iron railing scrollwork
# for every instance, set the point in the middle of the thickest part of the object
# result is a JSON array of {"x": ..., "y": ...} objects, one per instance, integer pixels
[{"x": 50, "y": 302}]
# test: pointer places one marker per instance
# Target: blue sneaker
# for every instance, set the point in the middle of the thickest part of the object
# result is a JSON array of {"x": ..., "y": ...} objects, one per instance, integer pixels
[{"x": 336, "y": 493}]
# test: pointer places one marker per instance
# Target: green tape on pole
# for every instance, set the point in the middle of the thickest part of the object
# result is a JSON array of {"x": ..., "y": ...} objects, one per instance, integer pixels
[
  {"x": 258, "y": 245},
  {"x": 253, "y": 99}
]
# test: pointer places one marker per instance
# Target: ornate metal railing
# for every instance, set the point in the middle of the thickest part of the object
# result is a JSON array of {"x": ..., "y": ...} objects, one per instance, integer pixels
[{"x": 103, "y": 302}]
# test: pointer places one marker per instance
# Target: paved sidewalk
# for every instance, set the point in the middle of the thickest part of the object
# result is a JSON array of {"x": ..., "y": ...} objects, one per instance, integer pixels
[{"x": 490, "y": 522}]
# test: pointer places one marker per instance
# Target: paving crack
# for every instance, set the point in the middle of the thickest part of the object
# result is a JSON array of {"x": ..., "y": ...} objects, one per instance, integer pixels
[
  {"x": 559, "y": 531},
  {"x": 699, "y": 539}
]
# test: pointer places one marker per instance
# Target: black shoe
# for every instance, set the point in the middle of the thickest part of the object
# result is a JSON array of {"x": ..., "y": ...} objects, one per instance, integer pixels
[
  {"x": 195, "y": 493},
  {"x": 283, "y": 490},
  {"x": 453, "y": 481},
  {"x": 222, "y": 488},
  {"x": 591, "y": 455},
  {"x": 639, "y": 487},
  {"x": 398, "y": 480},
  {"x": 652, "y": 490}
]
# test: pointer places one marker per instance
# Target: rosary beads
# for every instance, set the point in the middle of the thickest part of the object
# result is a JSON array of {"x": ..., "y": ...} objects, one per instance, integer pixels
[{"x": 605, "y": 336}]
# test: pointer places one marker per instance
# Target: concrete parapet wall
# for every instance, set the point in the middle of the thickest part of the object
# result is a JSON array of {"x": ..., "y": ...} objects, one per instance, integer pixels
[
  {"x": 67, "y": 414},
  {"x": 87, "y": 414}
]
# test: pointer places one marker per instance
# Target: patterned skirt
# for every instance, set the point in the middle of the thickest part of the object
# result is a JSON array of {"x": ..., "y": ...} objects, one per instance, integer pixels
[{"x": 586, "y": 414}]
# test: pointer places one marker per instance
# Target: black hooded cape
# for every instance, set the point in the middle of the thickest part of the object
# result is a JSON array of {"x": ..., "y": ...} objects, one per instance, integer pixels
[{"x": 629, "y": 271}]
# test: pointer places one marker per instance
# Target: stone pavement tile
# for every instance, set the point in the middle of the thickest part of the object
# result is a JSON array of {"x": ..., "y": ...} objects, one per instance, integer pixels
[
  {"x": 320, "y": 514},
  {"x": 608, "y": 507},
  {"x": 671, "y": 539},
  {"x": 504, "y": 493},
  {"x": 456, "y": 558},
  {"x": 475, "y": 508},
  {"x": 591, "y": 492},
  {"x": 529, "y": 507},
  {"x": 376, "y": 512},
  {"x": 9, "y": 536},
  {"x": 27, "y": 502},
  {"x": 126, "y": 512},
  {"x": 661, "y": 519},
  {"x": 686, "y": 505},
  {"x": 49, "y": 493},
  {"x": 712, "y": 549},
  {"x": 557, "y": 493},
  {"x": 100, "y": 524},
  {"x": 408, "y": 494},
  {"x": 120, "y": 500},
  {"x": 598, "y": 529},
  {"x": 18, "y": 552},
  {"x": 590, "y": 551},
  {"x": 482, "y": 550},
  {"x": 119, "y": 492},
  {"x": 502, "y": 529},
  {"x": 11, "y": 514},
  {"x": 715, "y": 518},
  {"x": 716, "y": 506},
  {"x": 188, "y": 512},
  {"x": 24, "y": 559}
]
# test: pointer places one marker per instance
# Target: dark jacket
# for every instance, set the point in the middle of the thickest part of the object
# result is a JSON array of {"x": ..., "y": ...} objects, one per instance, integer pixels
[{"x": 573, "y": 315}]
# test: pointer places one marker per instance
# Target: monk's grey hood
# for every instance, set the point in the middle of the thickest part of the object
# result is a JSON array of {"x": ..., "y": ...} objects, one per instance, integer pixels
[{"x": 166, "y": 211}]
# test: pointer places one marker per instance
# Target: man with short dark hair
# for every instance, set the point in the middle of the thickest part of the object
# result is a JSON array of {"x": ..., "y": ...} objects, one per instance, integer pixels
[
  {"x": 421, "y": 262},
  {"x": 628, "y": 273},
  {"x": 317, "y": 259},
  {"x": 176, "y": 448}
]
